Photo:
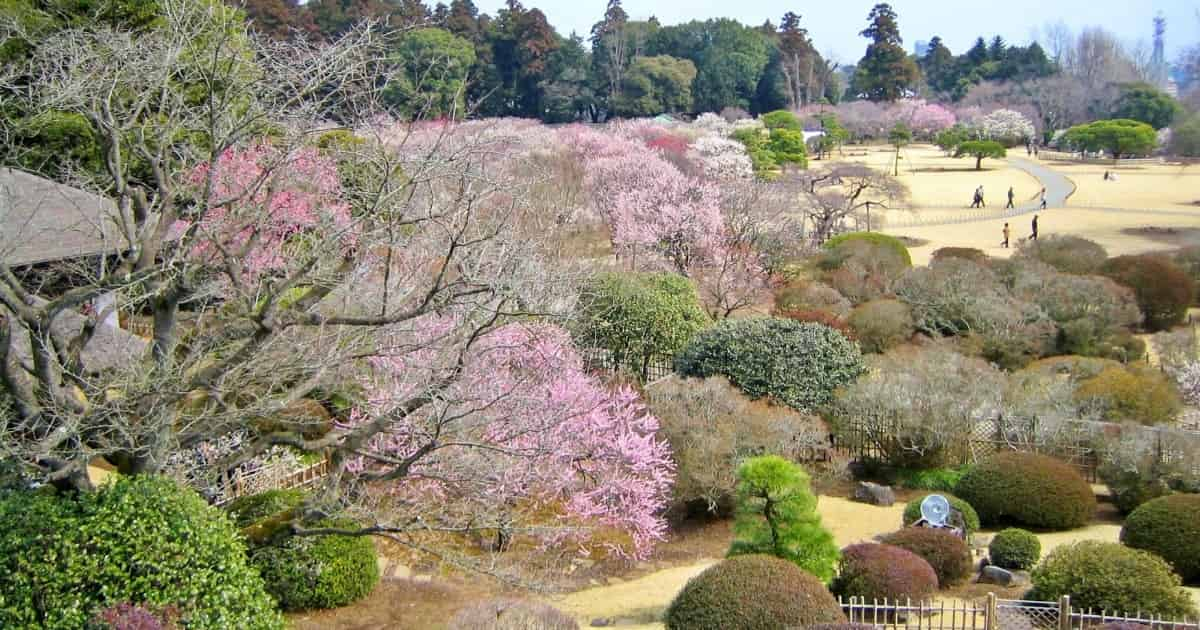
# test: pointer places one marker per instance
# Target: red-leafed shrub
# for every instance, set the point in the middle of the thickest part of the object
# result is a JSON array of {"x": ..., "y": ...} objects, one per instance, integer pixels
[
  {"x": 1028, "y": 489},
  {"x": 820, "y": 317},
  {"x": 945, "y": 552},
  {"x": 752, "y": 593},
  {"x": 1163, "y": 289},
  {"x": 874, "y": 572}
]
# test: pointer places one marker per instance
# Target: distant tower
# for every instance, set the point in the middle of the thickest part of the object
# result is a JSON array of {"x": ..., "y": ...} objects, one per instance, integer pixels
[{"x": 1158, "y": 62}]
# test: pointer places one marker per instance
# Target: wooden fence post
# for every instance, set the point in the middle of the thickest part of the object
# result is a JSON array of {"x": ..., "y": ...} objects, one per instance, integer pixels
[
  {"x": 1064, "y": 612},
  {"x": 993, "y": 623}
]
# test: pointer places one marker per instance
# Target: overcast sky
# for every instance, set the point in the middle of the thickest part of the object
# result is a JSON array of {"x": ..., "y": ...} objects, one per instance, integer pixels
[{"x": 834, "y": 25}]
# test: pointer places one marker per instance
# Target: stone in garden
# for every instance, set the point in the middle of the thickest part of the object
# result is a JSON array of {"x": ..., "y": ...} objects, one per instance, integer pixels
[
  {"x": 601, "y": 622},
  {"x": 874, "y": 494},
  {"x": 995, "y": 575}
]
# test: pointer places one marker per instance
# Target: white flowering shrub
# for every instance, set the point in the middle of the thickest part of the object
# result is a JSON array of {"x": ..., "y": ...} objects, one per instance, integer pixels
[
  {"x": 722, "y": 158},
  {"x": 1007, "y": 126}
]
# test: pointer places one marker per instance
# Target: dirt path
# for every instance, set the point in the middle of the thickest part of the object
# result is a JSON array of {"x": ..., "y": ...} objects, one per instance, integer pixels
[{"x": 640, "y": 603}]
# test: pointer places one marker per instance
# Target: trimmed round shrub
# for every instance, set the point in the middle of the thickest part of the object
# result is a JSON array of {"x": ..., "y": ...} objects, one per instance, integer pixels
[
  {"x": 912, "y": 510},
  {"x": 752, "y": 593},
  {"x": 1170, "y": 527},
  {"x": 66, "y": 558},
  {"x": 1112, "y": 577},
  {"x": 305, "y": 572},
  {"x": 945, "y": 552},
  {"x": 873, "y": 572},
  {"x": 1014, "y": 548},
  {"x": 511, "y": 614},
  {"x": 875, "y": 238},
  {"x": 1028, "y": 489},
  {"x": 781, "y": 119},
  {"x": 798, "y": 364},
  {"x": 1163, "y": 289},
  {"x": 1131, "y": 394},
  {"x": 1068, "y": 254},
  {"x": 969, "y": 253},
  {"x": 880, "y": 325},
  {"x": 1188, "y": 259}
]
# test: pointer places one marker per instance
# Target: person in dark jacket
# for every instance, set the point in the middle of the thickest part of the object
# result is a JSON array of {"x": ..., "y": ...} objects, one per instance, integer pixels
[{"x": 1034, "y": 236}]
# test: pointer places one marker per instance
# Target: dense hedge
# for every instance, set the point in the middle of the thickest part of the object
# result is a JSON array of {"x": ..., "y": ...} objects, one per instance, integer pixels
[
  {"x": 511, "y": 614},
  {"x": 875, "y": 238},
  {"x": 1068, "y": 254},
  {"x": 1170, "y": 527},
  {"x": 637, "y": 316},
  {"x": 880, "y": 325},
  {"x": 64, "y": 558},
  {"x": 1112, "y": 577},
  {"x": 798, "y": 364},
  {"x": 969, "y": 253},
  {"x": 1163, "y": 289},
  {"x": 1132, "y": 394},
  {"x": 311, "y": 571},
  {"x": 874, "y": 572},
  {"x": 945, "y": 552},
  {"x": 752, "y": 593},
  {"x": 912, "y": 511},
  {"x": 1028, "y": 489},
  {"x": 1014, "y": 548}
]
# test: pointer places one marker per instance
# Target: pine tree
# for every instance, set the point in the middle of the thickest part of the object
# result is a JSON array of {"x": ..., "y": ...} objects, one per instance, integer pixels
[
  {"x": 777, "y": 515},
  {"x": 885, "y": 72}
]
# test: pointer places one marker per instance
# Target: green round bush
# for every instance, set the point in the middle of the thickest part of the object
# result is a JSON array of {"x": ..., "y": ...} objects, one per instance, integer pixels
[
  {"x": 891, "y": 242},
  {"x": 1028, "y": 489},
  {"x": 797, "y": 363},
  {"x": 874, "y": 572},
  {"x": 1015, "y": 548},
  {"x": 1170, "y": 527},
  {"x": 752, "y": 593},
  {"x": 305, "y": 572},
  {"x": 945, "y": 552},
  {"x": 138, "y": 539},
  {"x": 1112, "y": 577},
  {"x": 912, "y": 510},
  {"x": 1163, "y": 289},
  {"x": 511, "y": 614}
]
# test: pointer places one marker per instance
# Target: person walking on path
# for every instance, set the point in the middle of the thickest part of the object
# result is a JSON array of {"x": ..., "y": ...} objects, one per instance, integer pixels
[
  {"x": 1043, "y": 199},
  {"x": 1010, "y": 198},
  {"x": 979, "y": 193},
  {"x": 976, "y": 199},
  {"x": 1033, "y": 237},
  {"x": 1006, "y": 233}
]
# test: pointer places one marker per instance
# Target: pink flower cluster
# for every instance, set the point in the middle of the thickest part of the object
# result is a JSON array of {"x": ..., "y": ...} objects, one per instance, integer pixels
[
  {"x": 526, "y": 428},
  {"x": 647, "y": 202},
  {"x": 260, "y": 199}
]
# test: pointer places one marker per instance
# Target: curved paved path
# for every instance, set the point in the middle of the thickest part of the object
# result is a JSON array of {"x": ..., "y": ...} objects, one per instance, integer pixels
[{"x": 1058, "y": 189}]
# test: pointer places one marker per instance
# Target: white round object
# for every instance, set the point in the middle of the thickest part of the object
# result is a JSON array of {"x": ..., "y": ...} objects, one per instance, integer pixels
[{"x": 935, "y": 509}]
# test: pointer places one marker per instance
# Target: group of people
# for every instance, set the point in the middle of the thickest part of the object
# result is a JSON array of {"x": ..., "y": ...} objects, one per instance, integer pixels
[
  {"x": 1033, "y": 236},
  {"x": 978, "y": 202}
]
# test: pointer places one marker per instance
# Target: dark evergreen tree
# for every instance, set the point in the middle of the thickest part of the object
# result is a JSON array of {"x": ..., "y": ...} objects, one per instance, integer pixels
[{"x": 885, "y": 72}]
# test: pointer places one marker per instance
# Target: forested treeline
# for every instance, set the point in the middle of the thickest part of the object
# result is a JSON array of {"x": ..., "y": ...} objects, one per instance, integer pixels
[{"x": 514, "y": 63}]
